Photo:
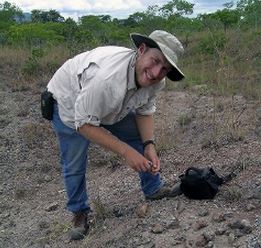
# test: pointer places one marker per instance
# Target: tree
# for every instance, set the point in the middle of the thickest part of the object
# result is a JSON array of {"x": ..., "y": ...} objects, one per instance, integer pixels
[
  {"x": 105, "y": 18},
  {"x": 146, "y": 21},
  {"x": 176, "y": 7},
  {"x": 224, "y": 18},
  {"x": 8, "y": 14},
  {"x": 70, "y": 28},
  {"x": 34, "y": 34},
  {"x": 227, "y": 17},
  {"x": 94, "y": 27},
  {"x": 228, "y": 5},
  {"x": 250, "y": 12},
  {"x": 40, "y": 16},
  {"x": 135, "y": 19}
]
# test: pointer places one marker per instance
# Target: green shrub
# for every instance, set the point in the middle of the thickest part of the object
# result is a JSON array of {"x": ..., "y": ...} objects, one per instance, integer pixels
[
  {"x": 32, "y": 65},
  {"x": 213, "y": 43}
]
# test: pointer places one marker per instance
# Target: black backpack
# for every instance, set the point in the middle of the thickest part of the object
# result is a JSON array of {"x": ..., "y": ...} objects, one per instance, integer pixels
[{"x": 199, "y": 183}]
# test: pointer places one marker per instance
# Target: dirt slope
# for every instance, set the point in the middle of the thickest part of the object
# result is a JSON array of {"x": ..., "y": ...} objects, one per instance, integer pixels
[{"x": 191, "y": 129}]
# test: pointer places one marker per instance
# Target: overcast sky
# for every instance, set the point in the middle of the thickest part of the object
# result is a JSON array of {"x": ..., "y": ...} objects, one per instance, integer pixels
[{"x": 115, "y": 8}]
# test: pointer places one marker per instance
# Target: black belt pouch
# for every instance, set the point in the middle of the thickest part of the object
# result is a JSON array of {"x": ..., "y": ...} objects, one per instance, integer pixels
[{"x": 47, "y": 103}]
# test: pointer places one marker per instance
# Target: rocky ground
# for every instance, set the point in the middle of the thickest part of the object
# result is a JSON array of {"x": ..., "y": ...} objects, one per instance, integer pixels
[{"x": 192, "y": 129}]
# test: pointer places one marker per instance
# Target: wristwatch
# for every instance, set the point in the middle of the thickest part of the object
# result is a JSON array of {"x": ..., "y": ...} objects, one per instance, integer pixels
[{"x": 147, "y": 142}]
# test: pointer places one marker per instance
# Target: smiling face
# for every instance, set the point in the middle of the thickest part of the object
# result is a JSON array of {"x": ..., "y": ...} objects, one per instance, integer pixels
[{"x": 151, "y": 66}]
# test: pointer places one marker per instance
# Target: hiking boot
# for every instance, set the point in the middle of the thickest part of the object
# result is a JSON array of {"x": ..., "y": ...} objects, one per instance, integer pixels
[
  {"x": 165, "y": 192},
  {"x": 80, "y": 226}
]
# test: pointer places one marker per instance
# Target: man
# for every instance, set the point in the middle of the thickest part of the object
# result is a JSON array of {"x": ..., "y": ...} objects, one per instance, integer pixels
[{"x": 107, "y": 96}]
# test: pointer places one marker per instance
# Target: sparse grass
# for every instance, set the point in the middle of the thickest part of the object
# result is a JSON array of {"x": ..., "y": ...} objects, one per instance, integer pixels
[
  {"x": 163, "y": 144},
  {"x": 227, "y": 69},
  {"x": 184, "y": 120},
  {"x": 99, "y": 209},
  {"x": 219, "y": 65},
  {"x": 4, "y": 123},
  {"x": 23, "y": 112},
  {"x": 23, "y": 69},
  {"x": 164, "y": 134},
  {"x": 30, "y": 134},
  {"x": 225, "y": 119},
  {"x": 55, "y": 230},
  {"x": 58, "y": 228},
  {"x": 114, "y": 161},
  {"x": 233, "y": 193},
  {"x": 33, "y": 132},
  {"x": 20, "y": 193},
  {"x": 177, "y": 86},
  {"x": 242, "y": 163}
]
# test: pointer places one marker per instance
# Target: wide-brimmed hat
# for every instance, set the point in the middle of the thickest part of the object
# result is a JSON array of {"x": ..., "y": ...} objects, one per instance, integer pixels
[{"x": 168, "y": 44}]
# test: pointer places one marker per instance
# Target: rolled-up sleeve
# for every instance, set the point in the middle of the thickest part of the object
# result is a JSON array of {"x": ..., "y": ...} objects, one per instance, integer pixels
[
  {"x": 147, "y": 109},
  {"x": 92, "y": 104}
]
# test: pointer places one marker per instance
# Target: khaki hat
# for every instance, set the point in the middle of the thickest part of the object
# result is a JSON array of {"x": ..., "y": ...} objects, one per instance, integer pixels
[{"x": 168, "y": 44}]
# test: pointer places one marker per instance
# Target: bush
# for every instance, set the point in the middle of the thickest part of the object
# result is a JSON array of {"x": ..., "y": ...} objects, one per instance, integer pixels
[
  {"x": 213, "y": 43},
  {"x": 32, "y": 65}
]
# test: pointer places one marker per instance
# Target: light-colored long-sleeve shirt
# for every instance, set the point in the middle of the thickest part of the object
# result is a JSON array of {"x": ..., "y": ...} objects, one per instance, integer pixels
[{"x": 98, "y": 87}]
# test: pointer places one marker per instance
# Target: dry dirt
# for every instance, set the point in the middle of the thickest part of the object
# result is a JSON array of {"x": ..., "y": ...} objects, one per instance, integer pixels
[{"x": 191, "y": 130}]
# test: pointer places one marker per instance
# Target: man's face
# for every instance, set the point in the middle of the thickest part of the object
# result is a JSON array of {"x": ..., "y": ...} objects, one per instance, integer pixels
[{"x": 151, "y": 66}]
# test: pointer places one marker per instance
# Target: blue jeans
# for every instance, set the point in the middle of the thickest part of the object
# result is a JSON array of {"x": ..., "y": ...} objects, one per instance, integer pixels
[{"x": 74, "y": 152}]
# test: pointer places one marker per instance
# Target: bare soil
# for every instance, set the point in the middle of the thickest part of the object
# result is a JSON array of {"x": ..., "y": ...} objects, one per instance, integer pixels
[{"x": 191, "y": 130}]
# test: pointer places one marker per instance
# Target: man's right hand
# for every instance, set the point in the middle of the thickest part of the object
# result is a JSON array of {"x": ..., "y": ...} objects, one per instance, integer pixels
[{"x": 135, "y": 160}]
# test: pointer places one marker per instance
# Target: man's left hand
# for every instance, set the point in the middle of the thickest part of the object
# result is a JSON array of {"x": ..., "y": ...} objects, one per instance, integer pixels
[{"x": 151, "y": 154}]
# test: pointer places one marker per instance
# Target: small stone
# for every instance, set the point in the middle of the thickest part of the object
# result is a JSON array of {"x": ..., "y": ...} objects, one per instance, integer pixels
[
  {"x": 238, "y": 233},
  {"x": 235, "y": 224},
  {"x": 257, "y": 193},
  {"x": 218, "y": 217},
  {"x": 201, "y": 241},
  {"x": 257, "y": 245},
  {"x": 247, "y": 228},
  {"x": 199, "y": 225},
  {"x": 244, "y": 226},
  {"x": 221, "y": 231},
  {"x": 157, "y": 228},
  {"x": 52, "y": 207},
  {"x": 173, "y": 223},
  {"x": 210, "y": 244},
  {"x": 142, "y": 210},
  {"x": 250, "y": 207},
  {"x": 231, "y": 238},
  {"x": 117, "y": 211},
  {"x": 228, "y": 215},
  {"x": 209, "y": 235},
  {"x": 5, "y": 215},
  {"x": 203, "y": 213},
  {"x": 47, "y": 178},
  {"x": 144, "y": 241},
  {"x": 44, "y": 224},
  {"x": 76, "y": 235}
]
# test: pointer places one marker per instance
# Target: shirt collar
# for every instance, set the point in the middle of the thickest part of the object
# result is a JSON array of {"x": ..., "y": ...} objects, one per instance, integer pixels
[{"x": 131, "y": 72}]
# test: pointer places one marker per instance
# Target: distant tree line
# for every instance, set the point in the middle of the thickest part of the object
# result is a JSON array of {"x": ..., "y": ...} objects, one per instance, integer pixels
[{"x": 48, "y": 28}]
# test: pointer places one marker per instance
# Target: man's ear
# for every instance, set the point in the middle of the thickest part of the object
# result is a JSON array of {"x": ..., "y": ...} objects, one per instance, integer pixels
[{"x": 142, "y": 48}]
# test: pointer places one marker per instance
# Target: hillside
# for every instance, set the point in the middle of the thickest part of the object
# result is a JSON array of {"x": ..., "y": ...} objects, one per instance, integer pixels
[{"x": 192, "y": 129}]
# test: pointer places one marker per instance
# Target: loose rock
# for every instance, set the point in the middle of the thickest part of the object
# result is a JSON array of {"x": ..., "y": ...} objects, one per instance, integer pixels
[{"x": 157, "y": 228}]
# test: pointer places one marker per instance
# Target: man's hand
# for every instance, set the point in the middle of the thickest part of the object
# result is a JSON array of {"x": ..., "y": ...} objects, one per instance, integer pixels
[
  {"x": 151, "y": 154},
  {"x": 145, "y": 125},
  {"x": 136, "y": 161}
]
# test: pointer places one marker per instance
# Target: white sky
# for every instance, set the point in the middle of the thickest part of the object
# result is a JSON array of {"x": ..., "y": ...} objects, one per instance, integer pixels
[{"x": 115, "y": 8}]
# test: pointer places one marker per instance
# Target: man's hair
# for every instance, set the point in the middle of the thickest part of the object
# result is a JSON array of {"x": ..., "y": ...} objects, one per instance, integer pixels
[{"x": 151, "y": 46}]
